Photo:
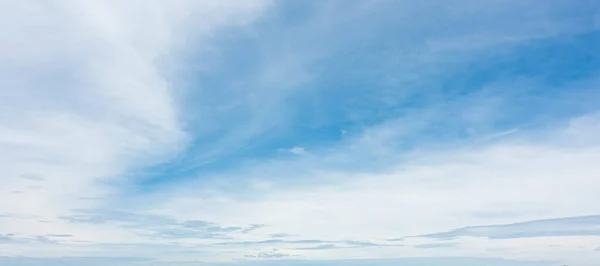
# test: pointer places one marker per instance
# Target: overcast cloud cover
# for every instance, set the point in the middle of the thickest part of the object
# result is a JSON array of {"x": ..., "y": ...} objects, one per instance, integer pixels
[{"x": 257, "y": 132}]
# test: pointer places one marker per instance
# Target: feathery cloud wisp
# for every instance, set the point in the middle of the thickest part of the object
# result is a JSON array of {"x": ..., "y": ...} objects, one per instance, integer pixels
[{"x": 159, "y": 133}]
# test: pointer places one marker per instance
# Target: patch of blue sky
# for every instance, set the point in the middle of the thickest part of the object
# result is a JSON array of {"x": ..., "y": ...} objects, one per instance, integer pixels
[{"x": 352, "y": 75}]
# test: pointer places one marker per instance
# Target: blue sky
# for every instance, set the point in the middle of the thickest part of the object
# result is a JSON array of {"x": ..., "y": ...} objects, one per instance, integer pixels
[{"x": 300, "y": 133}]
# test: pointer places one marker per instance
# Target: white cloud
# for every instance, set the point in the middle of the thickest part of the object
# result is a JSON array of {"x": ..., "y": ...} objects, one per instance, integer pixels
[
  {"x": 297, "y": 150},
  {"x": 86, "y": 97},
  {"x": 523, "y": 178}
]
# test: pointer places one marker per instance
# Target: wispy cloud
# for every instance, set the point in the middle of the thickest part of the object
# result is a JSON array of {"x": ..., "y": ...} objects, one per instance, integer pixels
[
  {"x": 570, "y": 226},
  {"x": 319, "y": 247},
  {"x": 279, "y": 235},
  {"x": 59, "y": 235},
  {"x": 269, "y": 254},
  {"x": 438, "y": 245},
  {"x": 297, "y": 150},
  {"x": 273, "y": 241},
  {"x": 172, "y": 132},
  {"x": 14, "y": 238},
  {"x": 159, "y": 226},
  {"x": 87, "y": 98}
]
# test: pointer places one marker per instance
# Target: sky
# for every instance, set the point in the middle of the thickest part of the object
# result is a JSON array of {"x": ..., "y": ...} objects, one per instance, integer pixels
[{"x": 293, "y": 133}]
